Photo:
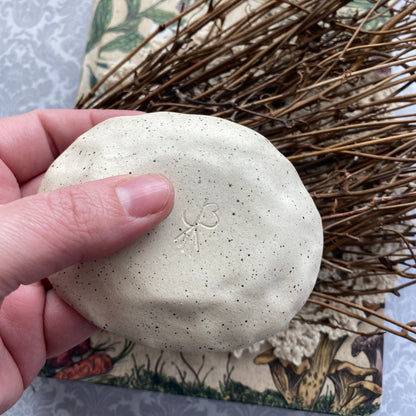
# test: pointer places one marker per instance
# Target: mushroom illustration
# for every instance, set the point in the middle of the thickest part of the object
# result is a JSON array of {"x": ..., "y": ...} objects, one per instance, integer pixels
[
  {"x": 303, "y": 383},
  {"x": 372, "y": 347},
  {"x": 364, "y": 391},
  {"x": 286, "y": 376},
  {"x": 344, "y": 376},
  {"x": 232, "y": 264}
]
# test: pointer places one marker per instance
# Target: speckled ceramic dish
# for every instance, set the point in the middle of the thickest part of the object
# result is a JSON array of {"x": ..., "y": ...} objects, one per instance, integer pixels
[{"x": 231, "y": 265}]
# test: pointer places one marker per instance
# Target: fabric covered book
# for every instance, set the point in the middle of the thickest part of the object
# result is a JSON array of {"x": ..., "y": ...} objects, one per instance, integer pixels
[{"x": 320, "y": 369}]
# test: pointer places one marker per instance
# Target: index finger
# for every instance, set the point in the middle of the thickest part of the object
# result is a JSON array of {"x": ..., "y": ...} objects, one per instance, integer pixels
[{"x": 30, "y": 142}]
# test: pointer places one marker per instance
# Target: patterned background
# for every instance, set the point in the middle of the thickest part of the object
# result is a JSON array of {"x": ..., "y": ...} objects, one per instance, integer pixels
[{"x": 42, "y": 43}]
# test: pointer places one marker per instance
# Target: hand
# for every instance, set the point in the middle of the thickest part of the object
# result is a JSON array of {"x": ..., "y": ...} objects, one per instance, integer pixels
[{"x": 43, "y": 233}]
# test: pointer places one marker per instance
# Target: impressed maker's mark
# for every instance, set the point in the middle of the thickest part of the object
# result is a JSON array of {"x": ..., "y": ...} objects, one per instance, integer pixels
[{"x": 207, "y": 217}]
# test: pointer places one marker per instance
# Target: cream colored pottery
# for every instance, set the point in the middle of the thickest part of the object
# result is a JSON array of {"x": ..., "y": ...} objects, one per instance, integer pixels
[{"x": 231, "y": 265}]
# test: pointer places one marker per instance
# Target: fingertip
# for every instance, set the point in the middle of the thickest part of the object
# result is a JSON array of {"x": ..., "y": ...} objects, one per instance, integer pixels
[
  {"x": 97, "y": 115},
  {"x": 146, "y": 195},
  {"x": 63, "y": 326}
]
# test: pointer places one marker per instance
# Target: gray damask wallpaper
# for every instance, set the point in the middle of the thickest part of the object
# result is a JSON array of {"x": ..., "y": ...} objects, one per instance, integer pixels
[{"x": 41, "y": 48}]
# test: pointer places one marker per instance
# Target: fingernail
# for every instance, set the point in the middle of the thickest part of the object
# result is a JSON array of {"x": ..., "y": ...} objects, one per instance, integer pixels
[{"x": 144, "y": 195}]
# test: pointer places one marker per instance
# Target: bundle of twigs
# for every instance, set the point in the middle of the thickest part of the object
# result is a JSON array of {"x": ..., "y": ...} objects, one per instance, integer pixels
[{"x": 326, "y": 87}]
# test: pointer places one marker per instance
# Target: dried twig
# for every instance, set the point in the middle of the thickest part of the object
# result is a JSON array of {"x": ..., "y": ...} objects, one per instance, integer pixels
[{"x": 322, "y": 87}]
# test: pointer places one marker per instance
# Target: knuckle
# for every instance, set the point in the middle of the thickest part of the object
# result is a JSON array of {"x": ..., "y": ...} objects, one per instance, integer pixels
[{"x": 73, "y": 211}]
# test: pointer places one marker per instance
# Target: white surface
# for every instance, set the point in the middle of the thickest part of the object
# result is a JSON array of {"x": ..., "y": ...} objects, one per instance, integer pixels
[
  {"x": 41, "y": 47},
  {"x": 235, "y": 260}
]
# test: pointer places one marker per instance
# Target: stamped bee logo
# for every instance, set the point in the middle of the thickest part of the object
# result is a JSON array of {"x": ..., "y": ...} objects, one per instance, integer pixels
[{"x": 206, "y": 217}]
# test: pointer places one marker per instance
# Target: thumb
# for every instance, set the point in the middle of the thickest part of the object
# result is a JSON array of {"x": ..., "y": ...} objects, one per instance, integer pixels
[{"x": 44, "y": 233}]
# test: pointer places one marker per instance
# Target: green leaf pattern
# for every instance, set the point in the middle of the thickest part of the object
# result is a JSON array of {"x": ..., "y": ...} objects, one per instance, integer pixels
[
  {"x": 124, "y": 43},
  {"x": 100, "y": 22},
  {"x": 93, "y": 78},
  {"x": 159, "y": 16},
  {"x": 128, "y": 30},
  {"x": 125, "y": 35},
  {"x": 133, "y": 7}
]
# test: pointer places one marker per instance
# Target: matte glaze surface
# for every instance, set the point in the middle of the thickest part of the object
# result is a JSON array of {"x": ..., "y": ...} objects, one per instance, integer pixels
[{"x": 231, "y": 265}]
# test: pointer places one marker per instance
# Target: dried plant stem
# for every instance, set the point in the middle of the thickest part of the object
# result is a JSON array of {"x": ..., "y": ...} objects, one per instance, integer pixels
[
  {"x": 364, "y": 309},
  {"x": 323, "y": 86},
  {"x": 403, "y": 334}
]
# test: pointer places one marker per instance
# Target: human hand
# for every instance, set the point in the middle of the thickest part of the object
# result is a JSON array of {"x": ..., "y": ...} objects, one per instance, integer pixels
[{"x": 43, "y": 233}]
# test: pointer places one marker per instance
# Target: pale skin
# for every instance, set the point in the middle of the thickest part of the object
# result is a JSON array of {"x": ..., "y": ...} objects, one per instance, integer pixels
[{"x": 43, "y": 233}]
